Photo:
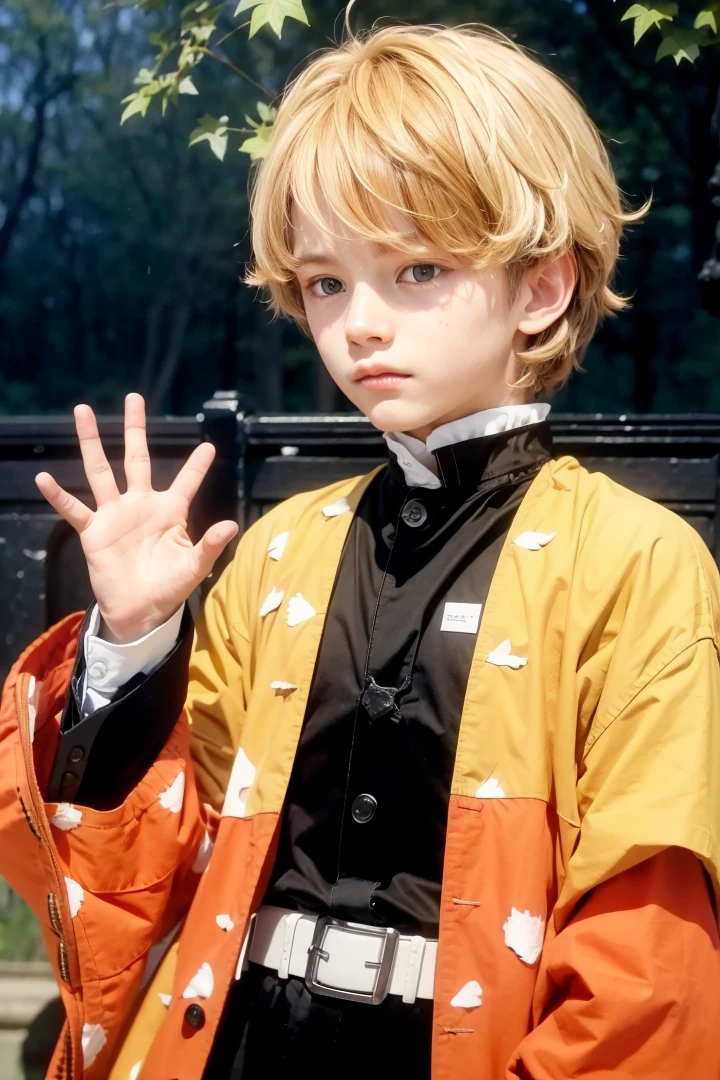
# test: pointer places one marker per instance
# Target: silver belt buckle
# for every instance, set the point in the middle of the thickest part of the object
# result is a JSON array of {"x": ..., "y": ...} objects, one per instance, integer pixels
[{"x": 316, "y": 953}]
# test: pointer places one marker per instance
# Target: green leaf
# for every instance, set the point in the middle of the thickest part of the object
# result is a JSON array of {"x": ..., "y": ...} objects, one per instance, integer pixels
[
  {"x": 272, "y": 12},
  {"x": 708, "y": 17},
  {"x": 258, "y": 145},
  {"x": 139, "y": 102},
  {"x": 266, "y": 113},
  {"x": 201, "y": 32},
  {"x": 681, "y": 45},
  {"x": 648, "y": 15},
  {"x": 213, "y": 131},
  {"x": 136, "y": 103},
  {"x": 188, "y": 57}
]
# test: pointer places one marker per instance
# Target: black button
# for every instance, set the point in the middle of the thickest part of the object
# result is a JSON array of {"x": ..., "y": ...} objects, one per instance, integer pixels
[
  {"x": 195, "y": 1016},
  {"x": 76, "y": 754},
  {"x": 69, "y": 780},
  {"x": 363, "y": 809},
  {"x": 414, "y": 513}
]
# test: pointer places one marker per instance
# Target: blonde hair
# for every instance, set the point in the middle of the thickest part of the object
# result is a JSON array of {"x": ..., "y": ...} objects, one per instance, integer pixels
[{"x": 491, "y": 156}]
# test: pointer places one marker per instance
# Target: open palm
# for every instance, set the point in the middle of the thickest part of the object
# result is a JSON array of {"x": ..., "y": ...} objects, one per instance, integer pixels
[{"x": 141, "y": 561}]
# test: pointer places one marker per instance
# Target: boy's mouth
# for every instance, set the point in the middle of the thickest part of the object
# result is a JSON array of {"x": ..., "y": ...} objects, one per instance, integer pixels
[
  {"x": 387, "y": 380},
  {"x": 376, "y": 377}
]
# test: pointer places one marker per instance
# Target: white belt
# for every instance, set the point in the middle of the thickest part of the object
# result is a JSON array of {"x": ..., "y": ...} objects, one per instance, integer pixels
[{"x": 343, "y": 959}]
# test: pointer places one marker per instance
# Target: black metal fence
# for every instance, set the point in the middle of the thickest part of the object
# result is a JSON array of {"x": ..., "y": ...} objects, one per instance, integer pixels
[{"x": 264, "y": 459}]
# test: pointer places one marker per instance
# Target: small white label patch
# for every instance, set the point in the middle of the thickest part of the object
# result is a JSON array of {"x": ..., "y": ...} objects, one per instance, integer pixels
[
  {"x": 461, "y": 618},
  {"x": 166, "y": 999},
  {"x": 224, "y": 922}
]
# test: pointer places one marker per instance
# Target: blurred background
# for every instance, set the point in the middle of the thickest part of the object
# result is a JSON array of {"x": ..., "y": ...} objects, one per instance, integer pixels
[{"x": 121, "y": 247}]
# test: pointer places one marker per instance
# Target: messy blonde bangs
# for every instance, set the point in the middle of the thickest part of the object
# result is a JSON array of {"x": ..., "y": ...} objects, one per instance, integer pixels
[{"x": 487, "y": 153}]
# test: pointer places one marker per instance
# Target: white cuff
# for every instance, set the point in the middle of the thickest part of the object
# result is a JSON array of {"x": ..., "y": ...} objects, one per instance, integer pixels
[{"x": 109, "y": 666}]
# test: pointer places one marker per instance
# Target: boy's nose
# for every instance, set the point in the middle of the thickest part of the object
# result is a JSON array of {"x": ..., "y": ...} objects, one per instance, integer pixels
[{"x": 368, "y": 319}]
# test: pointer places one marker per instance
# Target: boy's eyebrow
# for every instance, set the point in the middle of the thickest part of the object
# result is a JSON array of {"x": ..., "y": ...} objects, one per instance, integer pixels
[
  {"x": 315, "y": 257},
  {"x": 380, "y": 249}
]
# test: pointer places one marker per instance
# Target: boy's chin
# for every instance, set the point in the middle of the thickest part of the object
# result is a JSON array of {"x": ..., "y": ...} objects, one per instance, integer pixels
[{"x": 393, "y": 416}]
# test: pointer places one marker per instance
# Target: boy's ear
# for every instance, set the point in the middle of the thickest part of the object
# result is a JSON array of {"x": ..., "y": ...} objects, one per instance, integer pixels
[{"x": 546, "y": 291}]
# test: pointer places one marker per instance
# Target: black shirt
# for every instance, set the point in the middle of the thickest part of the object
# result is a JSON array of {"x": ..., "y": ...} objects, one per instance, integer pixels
[{"x": 363, "y": 827}]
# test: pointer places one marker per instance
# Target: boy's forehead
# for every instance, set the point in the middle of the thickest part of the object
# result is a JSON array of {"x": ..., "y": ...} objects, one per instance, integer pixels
[{"x": 330, "y": 235}]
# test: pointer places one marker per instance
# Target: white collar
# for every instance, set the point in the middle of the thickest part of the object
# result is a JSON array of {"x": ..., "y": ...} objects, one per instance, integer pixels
[{"x": 416, "y": 458}]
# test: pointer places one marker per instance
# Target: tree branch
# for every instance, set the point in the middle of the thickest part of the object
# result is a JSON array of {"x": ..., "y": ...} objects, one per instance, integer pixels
[{"x": 238, "y": 71}]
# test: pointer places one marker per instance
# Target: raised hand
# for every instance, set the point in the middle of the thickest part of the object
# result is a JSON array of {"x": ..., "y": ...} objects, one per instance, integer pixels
[{"x": 142, "y": 563}]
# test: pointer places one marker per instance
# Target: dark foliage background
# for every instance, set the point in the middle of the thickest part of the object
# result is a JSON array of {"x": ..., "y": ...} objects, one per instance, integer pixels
[{"x": 120, "y": 248}]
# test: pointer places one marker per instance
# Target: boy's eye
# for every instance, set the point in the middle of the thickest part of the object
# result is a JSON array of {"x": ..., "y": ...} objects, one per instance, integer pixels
[
  {"x": 422, "y": 272},
  {"x": 334, "y": 286}
]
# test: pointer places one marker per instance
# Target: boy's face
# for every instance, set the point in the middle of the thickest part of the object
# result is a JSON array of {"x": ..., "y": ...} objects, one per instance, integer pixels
[{"x": 412, "y": 341}]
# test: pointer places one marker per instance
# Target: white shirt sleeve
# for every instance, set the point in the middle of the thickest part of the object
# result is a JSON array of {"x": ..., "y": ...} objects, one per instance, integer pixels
[{"x": 108, "y": 666}]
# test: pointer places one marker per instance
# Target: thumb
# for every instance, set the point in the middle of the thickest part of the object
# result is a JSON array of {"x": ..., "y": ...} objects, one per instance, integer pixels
[{"x": 209, "y": 546}]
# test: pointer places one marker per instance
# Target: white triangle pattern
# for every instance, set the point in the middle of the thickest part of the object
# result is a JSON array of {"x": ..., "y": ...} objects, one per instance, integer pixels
[
  {"x": 172, "y": 798},
  {"x": 93, "y": 1040},
  {"x": 534, "y": 541},
  {"x": 276, "y": 547},
  {"x": 340, "y": 506},
  {"x": 469, "y": 997},
  {"x": 202, "y": 983},
  {"x": 76, "y": 895},
  {"x": 502, "y": 657},
  {"x": 272, "y": 601},
  {"x": 299, "y": 610}
]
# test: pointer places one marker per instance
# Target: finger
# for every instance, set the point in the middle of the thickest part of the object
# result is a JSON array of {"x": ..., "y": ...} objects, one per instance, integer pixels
[
  {"x": 97, "y": 468},
  {"x": 193, "y": 472},
  {"x": 76, "y": 513},
  {"x": 210, "y": 546},
  {"x": 137, "y": 456}
]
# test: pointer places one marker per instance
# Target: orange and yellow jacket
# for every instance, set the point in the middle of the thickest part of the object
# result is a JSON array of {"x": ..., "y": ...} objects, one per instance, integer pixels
[{"x": 581, "y": 862}]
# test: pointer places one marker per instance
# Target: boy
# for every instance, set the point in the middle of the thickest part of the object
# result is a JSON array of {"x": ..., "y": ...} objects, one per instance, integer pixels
[{"x": 452, "y": 727}]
